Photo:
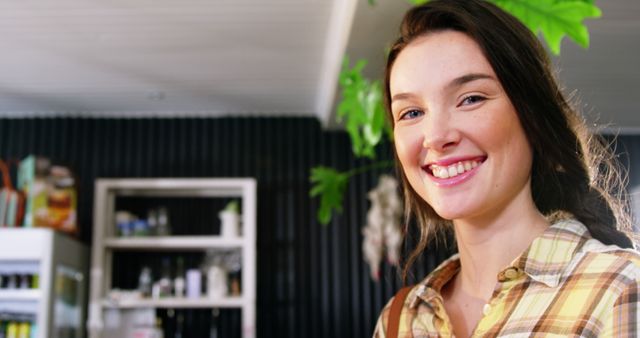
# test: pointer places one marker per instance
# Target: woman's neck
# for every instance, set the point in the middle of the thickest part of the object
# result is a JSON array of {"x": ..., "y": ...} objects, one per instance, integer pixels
[{"x": 488, "y": 244}]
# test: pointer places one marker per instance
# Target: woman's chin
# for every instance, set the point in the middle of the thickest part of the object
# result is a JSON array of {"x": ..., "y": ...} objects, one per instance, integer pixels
[
  {"x": 451, "y": 214},
  {"x": 446, "y": 215}
]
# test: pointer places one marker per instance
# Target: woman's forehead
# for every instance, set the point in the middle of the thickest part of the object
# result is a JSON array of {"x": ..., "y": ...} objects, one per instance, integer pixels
[{"x": 436, "y": 59}]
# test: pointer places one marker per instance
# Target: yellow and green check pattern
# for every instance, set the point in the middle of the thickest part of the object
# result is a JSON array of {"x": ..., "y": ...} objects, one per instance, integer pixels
[{"x": 566, "y": 284}]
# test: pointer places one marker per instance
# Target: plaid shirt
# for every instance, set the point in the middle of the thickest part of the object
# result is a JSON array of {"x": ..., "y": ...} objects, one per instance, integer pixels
[{"x": 565, "y": 284}]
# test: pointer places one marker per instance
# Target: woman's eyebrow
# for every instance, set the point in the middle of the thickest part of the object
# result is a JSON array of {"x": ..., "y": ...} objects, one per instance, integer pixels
[
  {"x": 402, "y": 96},
  {"x": 459, "y": 81}
]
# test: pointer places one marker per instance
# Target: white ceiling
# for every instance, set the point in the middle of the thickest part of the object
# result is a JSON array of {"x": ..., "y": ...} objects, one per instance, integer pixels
[
  {"x": 171, "y": 57},
  {"x": 247, "y": 57}
]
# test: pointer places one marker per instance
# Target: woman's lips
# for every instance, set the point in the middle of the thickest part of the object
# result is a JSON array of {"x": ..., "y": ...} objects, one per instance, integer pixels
[{"x": 453, "y": 171}]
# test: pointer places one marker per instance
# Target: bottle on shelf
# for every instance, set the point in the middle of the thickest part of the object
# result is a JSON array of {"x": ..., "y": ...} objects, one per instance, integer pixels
[
  {"x": 163, "y": 227},
  {"x": 140, "y": 228},
  {"x": 217, "y": 285},
  {"x": 18, "y": 280},
  {"x": 124, "y": 223},
  {"x": 194, "y": 280},
  {"x": 145, "y": 281},
  {"x": 24, "y": 281},
  {"x": 152, "y": 221},
  {"x": 234, "y": 281},
  {"x": 178, "y": 282},
  {"x": 35, "y": 281},
  {"x": 24, "y": 330},
  {"x": 233, "y": 262},
  {"x": 12, "y": 281},
  {"x": 165, "y": 282},
  {"x": 12, "y": 329}
]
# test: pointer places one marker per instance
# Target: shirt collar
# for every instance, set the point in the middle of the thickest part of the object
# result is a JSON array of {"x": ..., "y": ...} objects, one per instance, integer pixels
[
  {"x": 431, "y": 286},
  {"x": 549, "y": 255},
  {"x": 545, "y": 260}
]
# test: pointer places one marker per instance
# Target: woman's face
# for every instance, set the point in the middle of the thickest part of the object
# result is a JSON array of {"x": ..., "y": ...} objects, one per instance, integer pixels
[{"x": 457, "y": 135}]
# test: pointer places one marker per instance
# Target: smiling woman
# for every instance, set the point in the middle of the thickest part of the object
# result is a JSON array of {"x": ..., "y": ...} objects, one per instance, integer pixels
[
  {"x": 455, "y": 112},
  {"x": 490, "y": 149}
]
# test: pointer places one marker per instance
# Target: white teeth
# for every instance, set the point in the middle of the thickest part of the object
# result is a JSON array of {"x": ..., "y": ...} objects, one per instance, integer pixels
[
  {"x": 454, "y": 169},
  {"x": 444, "y": 173}
]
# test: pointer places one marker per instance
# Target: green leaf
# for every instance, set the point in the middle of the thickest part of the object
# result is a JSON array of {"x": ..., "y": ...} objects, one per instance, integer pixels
[
  {"x": 585, "y": 1},
  {"x": 361, "y": 109},
  {"x": 417, "y": 2},
  {"x": 330, "y": 185},
  {"x": 554, "y": 18}
]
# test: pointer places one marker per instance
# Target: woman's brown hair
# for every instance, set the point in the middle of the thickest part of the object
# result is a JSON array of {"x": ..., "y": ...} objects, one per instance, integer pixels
[{"x": 573, "y": 171}]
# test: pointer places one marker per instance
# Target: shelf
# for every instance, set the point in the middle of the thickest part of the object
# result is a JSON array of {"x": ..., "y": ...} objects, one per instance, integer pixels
[
  {"x": 173, "y": 243},
  {"x": 167, "y": 187},
  {"x": 106, "y": 244},
  {"x": 175, "y": 303},
  {"x": 20, "y": 295}
]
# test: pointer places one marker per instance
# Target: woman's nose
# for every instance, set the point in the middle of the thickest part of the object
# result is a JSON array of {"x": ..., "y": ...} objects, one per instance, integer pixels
[{"x": 440, "y": 133}]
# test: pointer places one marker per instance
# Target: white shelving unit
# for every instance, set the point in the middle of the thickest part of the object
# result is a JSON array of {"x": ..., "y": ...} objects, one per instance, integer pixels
[
  {"x": 20, "y": 295},
  {"x": 106, "y": 242},
  {"x": 176, "y": 303},
  {"x": 61, "y": 264},
  {"x": 173, "y": 243}
]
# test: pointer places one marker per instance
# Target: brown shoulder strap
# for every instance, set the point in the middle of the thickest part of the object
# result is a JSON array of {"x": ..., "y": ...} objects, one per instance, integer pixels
[{"x": 393, "y": 324}]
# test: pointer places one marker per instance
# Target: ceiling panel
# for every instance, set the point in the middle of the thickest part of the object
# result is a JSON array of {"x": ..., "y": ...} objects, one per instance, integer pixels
[{"x": 162, "y": 57}]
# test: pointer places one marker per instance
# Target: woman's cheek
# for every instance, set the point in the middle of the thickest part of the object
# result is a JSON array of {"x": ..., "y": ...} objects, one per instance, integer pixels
[{"x": 408, "y": 145}]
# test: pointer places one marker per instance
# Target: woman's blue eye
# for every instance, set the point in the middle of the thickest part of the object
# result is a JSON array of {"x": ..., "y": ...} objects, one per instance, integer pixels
[
  {"x": 411, "y": 114},
  {"x": 471, "y": 100}
]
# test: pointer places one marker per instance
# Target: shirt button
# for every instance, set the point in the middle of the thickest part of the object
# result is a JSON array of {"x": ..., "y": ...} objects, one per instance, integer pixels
[
  {"x": 486, "y": 309},
  {"x": 511, "y": 273}
]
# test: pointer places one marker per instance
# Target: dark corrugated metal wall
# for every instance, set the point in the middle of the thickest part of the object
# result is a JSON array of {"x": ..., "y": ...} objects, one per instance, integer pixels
[{"x": 312, "y": 280}]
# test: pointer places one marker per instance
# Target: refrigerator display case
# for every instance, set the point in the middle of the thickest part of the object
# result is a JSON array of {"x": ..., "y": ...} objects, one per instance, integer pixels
[{"x": 43, "y": 283}]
